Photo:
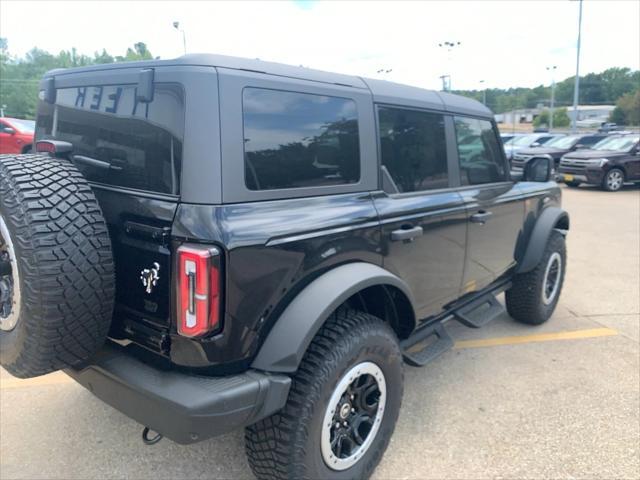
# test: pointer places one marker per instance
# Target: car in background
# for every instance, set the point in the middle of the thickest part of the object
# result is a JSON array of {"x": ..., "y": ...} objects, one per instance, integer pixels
[
  {"x": 16, "y": 135},
  {"x": 556, "y": 148},
  {"x": 507, "y": 137},
  {"x": 609, "y": 163},
  {"x": 527, "y": 141},
  {"x": 608, "y": 127}
]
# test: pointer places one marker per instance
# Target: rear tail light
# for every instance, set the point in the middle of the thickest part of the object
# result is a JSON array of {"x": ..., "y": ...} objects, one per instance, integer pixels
[
  {"x": 55, "y": 147},
  {"x": 198, "y": 290}
]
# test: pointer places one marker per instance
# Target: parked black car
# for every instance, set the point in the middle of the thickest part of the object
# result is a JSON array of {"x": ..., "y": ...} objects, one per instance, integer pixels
[
  {"x": 531, "y": 140},
  {"x": 555, "y": 148},
  {"x": 610, "y": 163},
  {"x": 210, "y": 243}
]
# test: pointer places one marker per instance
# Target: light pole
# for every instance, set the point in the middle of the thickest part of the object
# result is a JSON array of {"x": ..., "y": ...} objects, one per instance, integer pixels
[
  {"x": 448, "y": 46},
  {"x": 484, "y": 93},
  {"x": 576, "y": 88},
  {"x": 553, "y": 95},
  {"x": 176, "y": 25},
  {"x": 445, "y": 79}
]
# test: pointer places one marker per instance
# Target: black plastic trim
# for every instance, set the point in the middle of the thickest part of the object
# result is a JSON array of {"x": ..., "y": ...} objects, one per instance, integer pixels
[
  {"x": 288, "y": 340},
  {"x": 184, "y": 408},
  {"x": 545, "y": 224}
]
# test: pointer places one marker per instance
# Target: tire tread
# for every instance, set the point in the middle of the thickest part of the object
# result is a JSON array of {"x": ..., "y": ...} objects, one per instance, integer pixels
[
  {"x": 523, "y": 299},
  {"x": 270, "y": 444},
  {"x": 66, "y": 265}
]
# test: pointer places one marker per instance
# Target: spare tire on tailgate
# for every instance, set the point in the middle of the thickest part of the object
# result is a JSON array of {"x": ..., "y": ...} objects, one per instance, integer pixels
[{"x": 57, "y": 283}]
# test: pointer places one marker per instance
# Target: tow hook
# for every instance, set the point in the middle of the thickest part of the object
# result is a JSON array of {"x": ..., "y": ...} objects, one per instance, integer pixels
[{"x": 150, "y": 441}]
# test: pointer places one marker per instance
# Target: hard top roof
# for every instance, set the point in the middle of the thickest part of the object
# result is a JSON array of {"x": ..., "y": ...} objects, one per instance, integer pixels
[{"x": 382, "y": 91}]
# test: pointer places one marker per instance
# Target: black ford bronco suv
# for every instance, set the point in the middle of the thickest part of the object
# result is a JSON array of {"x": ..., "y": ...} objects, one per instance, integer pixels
[{"x": 210, "y": 243}]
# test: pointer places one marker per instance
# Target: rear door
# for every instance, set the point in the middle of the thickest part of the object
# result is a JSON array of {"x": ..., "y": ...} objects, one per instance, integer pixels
[
  {"x": 423, "y": 218},
  {"x": 494, "y": 205},
  {"x": 132, "y": 154}
]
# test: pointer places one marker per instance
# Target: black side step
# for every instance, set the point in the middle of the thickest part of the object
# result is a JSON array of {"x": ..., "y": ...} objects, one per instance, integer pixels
[
  {"x": 426, "y": 344},
  {"x": 479, "y": 312}
]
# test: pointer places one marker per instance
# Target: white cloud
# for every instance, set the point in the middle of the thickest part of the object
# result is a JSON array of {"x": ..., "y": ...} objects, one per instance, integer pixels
[{"x": 504, "y": 43}]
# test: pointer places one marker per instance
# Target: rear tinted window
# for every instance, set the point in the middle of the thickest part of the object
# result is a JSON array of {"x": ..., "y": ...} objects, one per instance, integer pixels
[
  {"x": 136, "y": 145},
  {"x": 295, "y": 140},
  {"x": 414, "y": 149}
]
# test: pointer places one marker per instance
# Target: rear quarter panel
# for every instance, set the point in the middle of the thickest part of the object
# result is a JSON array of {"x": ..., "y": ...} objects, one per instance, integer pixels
[{"x": 272, "y": 250}]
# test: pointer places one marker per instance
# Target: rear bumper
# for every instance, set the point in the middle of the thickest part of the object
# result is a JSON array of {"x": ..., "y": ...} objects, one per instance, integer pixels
[{"x": 184, "y": 408}]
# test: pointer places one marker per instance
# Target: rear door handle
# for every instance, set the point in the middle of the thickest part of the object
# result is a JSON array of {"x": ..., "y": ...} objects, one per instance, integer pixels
[
  {"x": 403, "y": 234},
  {"x": 481, "y": 217}
]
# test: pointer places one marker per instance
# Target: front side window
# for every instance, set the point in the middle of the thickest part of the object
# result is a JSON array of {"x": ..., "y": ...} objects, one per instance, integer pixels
[
  {"x": 479, "y": 152},
  {"x": 117, "y": 140},
  {"x": 413, "y": 149},
  {"x": 295, "y": 140}
]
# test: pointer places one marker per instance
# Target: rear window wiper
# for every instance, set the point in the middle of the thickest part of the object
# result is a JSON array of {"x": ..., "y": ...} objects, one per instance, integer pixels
[{"x": 94, "y": 162}]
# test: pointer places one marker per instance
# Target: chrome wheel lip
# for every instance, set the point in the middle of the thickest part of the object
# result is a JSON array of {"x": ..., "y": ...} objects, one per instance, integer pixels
[
  {"x": 615, "y": 180},
  {"x": 549, "y": 297},
  {"x": 9, "y": 323},
  {"x": 364, "y": 368}
]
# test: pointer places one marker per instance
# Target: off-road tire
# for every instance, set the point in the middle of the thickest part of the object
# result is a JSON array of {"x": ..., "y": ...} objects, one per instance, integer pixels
[
  {"x": 287, "y": 444},
  {"x": 525, "y": 298},
  {"x": 64, "y": 261}
]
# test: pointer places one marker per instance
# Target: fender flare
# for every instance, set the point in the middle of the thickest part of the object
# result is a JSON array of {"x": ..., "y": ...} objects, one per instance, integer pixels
[
  {"x": 546, "y": 223},
  {"x": 292, "y": 333}
]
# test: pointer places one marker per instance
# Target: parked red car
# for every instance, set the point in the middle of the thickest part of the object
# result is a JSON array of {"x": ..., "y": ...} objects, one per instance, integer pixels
[{"x": 16, "y": 136}]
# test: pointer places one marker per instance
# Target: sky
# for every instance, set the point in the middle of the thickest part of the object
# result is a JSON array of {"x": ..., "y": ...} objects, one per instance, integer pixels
[{"x": 502, "y": 43}]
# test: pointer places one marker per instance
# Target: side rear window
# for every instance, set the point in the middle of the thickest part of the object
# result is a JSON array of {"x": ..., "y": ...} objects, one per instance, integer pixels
[
  {"x": 116, "y": 140},
  {"x": 294, "y": 140},
  {"x": 413, "y": 149},
  {"x": 479, "y": 152}
]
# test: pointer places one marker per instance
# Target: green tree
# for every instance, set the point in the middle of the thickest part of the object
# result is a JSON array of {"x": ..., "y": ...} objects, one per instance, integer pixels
[
  {"x": 103, "y": 57},
  {"x": 618, "y": 116},
  {"x": 138, "y": 52},
  {"x": 542, "y": 120},
  {"x": 561, "y": 118},
  {"x": 627, "y": 111},
  {"x": 595, "y": 89},
  {"x": 19, "y": 77}
]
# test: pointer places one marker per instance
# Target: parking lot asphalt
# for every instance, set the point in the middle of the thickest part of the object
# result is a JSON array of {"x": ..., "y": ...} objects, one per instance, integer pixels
[{"x": 509, "y": 401}]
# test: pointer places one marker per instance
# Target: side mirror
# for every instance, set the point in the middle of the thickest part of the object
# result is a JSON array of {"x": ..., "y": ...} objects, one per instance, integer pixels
[
  {"x": 538, "y": 169},
  {"x": 9, "y": 130},
  {"x": 536, "y": 144},
  {"x": 580, "y": 146}
]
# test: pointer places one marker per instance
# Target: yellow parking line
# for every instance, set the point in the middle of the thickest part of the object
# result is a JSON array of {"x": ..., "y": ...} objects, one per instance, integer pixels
[
  {"x": 542, "y": 337},
  {"x": 62, "y": 379}
]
